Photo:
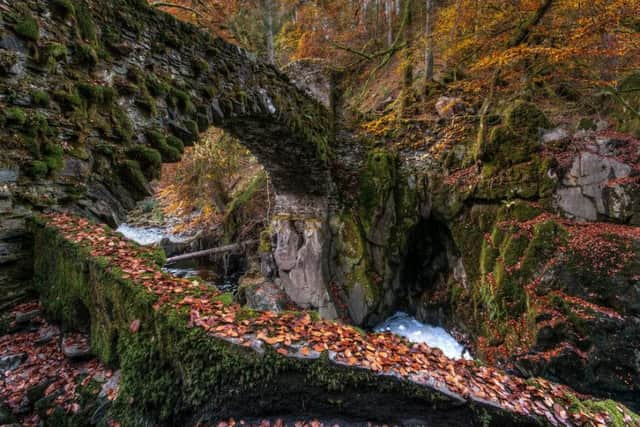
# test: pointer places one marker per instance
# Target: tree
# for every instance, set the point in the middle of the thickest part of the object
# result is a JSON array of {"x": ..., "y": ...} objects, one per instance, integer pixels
[{"x": 428, "y": 34}]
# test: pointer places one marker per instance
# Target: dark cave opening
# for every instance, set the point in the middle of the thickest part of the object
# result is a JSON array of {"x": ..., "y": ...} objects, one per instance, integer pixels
[{"x": 426, "y": 271}]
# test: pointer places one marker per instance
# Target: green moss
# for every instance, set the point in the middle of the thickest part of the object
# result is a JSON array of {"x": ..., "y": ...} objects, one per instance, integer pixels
[
  {"x": 63, "y": 8},
  {"x": 182, "y": 100},
  {"x": 156, "y": 86},
  {"x": 199, "y": 66},
  {"x": 122, "y": 126},
  {"x": 150, "y": 160},
  {"x": 69, "y": 100},
  {"x": 53, "y": 156},
  {"x": 109, "y": 95},
  {"x": 147, "y": 104},
  {"x": 133, "y": 177},
  {"x": 225, "y": 298},
  {"x": 40, "y": 98},
  {"x": 27, "y": 28},
  {"x": 265, "y": 241},
  {"x": 192, "y": 127},
  {"x": 233, "y": 213},
  {"x": 86, "y": 26},
  {"x": 52, "y": 53},
  {"x": 94, "y": 94},
  {"x": 15, "y": 116},
  {"x": 38, "y": 169},
  {"x": 608, "y": 407},
  {"x": 175, "y": 142},
  {"x": 377, "y": 182},
  {"x": 526, "y": 119},
  {"x": 158, "y": 141},
  {"x": 86, "y": 54}
]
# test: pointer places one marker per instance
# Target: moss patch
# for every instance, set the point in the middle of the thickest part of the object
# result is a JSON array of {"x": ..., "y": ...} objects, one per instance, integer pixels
[{"x": 27, "y": 27}]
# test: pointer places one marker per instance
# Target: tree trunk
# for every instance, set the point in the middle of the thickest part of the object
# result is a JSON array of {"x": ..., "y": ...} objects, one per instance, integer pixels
[
  {"x": 269, "y": 25},
  {"x": 407, "y": 82},
  {"x": 428, "y": 32},
  {"x": 389, "y": 12}
]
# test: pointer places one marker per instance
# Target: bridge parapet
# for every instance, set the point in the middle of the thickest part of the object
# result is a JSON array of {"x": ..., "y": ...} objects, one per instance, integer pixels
[{"x": 194, "y": 355}]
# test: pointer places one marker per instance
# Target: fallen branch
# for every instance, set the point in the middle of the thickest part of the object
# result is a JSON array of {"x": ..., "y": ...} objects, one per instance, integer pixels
[
  {"x": 176, "y": 6},
  {"x": 221, "y": 249}
]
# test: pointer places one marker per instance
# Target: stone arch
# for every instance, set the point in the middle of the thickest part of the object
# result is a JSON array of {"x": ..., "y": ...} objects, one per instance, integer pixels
[{"x": 96, "y": 94}]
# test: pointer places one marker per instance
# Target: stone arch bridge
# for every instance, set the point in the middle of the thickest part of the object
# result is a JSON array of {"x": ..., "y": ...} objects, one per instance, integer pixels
[{"x": 93, "y": 92}]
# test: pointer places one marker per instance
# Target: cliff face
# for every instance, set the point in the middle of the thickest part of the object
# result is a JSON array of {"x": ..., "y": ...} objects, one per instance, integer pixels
[
  {"x": 94, "y": 96},
  {"x": 528, "y": 241}
]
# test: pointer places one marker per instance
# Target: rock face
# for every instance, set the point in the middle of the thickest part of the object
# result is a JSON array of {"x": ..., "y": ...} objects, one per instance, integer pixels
[
  {"x": 96, "y": 95},
  {"x": 301, "y": 252},
  {"x": 599, "y": 183}
]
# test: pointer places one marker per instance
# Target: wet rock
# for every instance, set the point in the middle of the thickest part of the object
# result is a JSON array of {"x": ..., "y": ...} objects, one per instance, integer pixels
[
  {"x": 12, "y": 361},
  {"x": 263, "y": 295},
  {"x": 76, "y": 347},
  {"x": 27, "y": 317},
  {"x": 8, "y": 175}
]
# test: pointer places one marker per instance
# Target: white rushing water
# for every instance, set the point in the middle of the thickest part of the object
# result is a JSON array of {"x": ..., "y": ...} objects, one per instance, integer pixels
[
  {"x": 409, "y": 327},
  {"x": 142, "y": 236}
]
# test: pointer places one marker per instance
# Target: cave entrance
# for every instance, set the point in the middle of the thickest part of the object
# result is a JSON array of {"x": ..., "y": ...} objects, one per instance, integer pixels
[{"x": 426, "y": 272}]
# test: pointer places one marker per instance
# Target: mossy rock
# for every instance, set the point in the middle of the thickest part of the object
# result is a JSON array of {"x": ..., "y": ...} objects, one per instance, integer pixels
[
  {"x": 15, "y": 116},
  {"x": 86, "y": 27},
  {"x": 52, "y": 53},
  {"x": 378, "y": 179},
  {"x": 150, "y": 160},
  {"x": 27, "y": 27},
  {"x": 156, "y": 86},
  {"x": 68, "y": 100},
  {"x": 182, "y": 100},
  {"x": 132, "y": 176},
  {"x": 40, "y": 98},
  {"x": 86, "y": 55},
  {"x": 53, "y": 156},
  {"x": 199, "y": 66},
  {"x": 147, "y": 104},
  {"x": 38, "y": 169},
  {"x": 63, "y": 8},
  {"x": 526, "y": 119},
  {"x": 169, "y": 153},
  {"x": 94, "y": 94},
  {"x": 175, "y": 142},
  {"x": 122, "y": 126}
]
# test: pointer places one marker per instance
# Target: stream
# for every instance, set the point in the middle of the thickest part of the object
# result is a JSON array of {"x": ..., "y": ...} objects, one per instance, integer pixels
[
  {"x": 400, "y": 323},
  {"x": 409, "y": 327},
  {"x": 189, "y": 269}
]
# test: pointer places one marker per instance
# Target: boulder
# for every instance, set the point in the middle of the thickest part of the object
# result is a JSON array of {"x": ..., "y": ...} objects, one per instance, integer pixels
[
  {"x": 447, "y": 106},
  {"x": 263, "y": 295},
  {"x": 596, "y": 185}
]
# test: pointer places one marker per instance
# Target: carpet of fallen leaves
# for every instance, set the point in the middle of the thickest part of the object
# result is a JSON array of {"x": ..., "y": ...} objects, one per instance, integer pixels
[
  {"x": 287, "y": 423},
  {"x": 39, "y": 350},
  {"x": 297, "y": 335},
  {"x": 605, "y": 249}
]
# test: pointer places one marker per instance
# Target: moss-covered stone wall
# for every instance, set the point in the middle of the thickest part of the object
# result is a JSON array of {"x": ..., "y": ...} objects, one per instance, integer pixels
[{"x": 188, "y": 355}]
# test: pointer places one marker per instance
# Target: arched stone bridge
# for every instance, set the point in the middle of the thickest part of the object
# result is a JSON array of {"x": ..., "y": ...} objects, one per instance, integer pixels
[
  {"x": 93, "y": 92},
  {"x": 164, "y": 75}
]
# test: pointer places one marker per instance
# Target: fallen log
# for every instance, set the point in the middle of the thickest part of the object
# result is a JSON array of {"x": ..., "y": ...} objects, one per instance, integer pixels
[{"x": 213, "y": 251}]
